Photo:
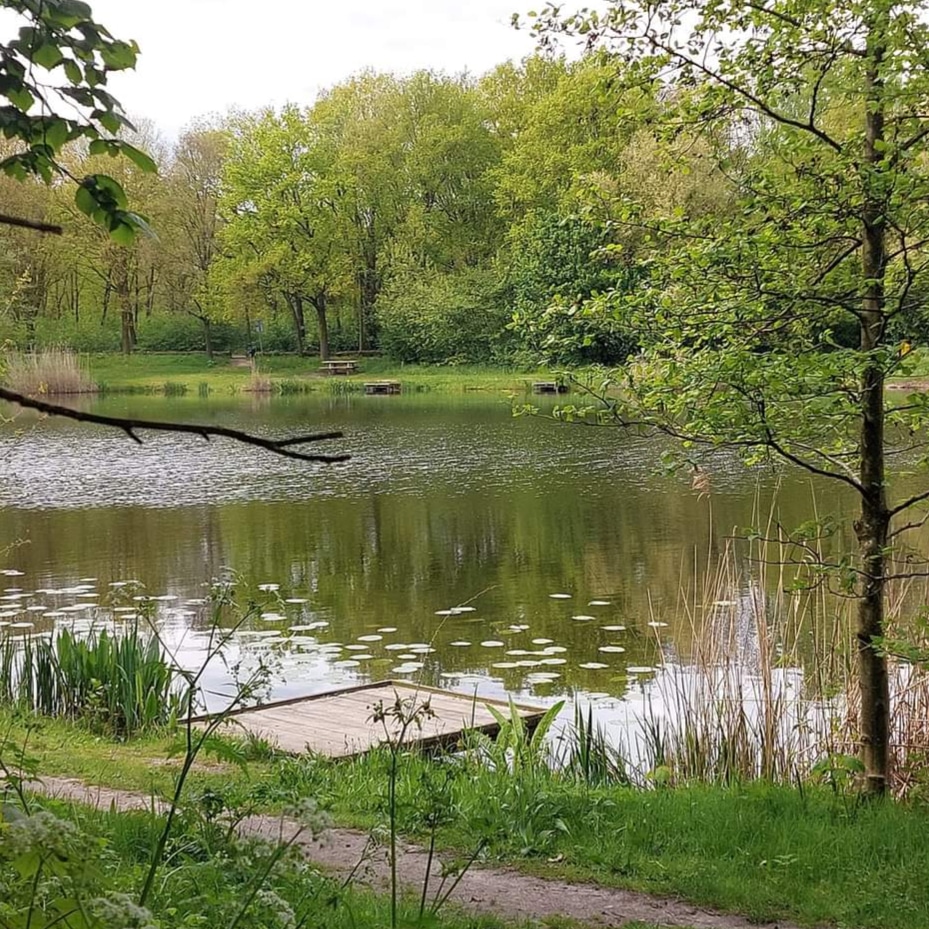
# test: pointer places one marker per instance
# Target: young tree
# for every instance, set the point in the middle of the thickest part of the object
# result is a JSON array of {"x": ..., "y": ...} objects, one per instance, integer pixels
[{"x": 816, "y": 112}]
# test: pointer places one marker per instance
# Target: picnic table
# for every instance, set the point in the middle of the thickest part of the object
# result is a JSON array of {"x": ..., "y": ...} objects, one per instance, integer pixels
[{"x": 343, "y": 366}]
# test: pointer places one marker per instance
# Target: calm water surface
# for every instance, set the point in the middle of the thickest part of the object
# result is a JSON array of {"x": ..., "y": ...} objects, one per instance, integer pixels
[{"x": 447, "y": 502}]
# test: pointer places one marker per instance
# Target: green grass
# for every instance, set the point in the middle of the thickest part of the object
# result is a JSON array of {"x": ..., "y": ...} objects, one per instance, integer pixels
[
  {"x": 209, "y": 878},
  {"x": 766, "y": 852},
  {"x": 193, "y": 374}
]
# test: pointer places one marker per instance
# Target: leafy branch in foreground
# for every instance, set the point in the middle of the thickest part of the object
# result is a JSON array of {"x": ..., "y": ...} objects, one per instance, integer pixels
[
  {"x": 283, "y": 447},
  {"x": 59, "y": 64}
]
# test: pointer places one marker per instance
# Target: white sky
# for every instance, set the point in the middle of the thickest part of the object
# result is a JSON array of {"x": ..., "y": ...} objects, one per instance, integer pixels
[{"x": 205, "y": 56}]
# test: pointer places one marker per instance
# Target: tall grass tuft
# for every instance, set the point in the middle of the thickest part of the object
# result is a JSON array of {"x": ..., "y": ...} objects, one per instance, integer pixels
[
  {"x": 121, "y": 684},
  {"x": 174, "y": 389},
  {"x": 48, "y": 372},
  {"x": 259, "y": 383}
]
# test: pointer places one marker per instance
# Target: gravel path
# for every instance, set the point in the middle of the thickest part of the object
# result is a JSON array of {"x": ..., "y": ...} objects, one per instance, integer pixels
[{"x": 502, "y": 891}]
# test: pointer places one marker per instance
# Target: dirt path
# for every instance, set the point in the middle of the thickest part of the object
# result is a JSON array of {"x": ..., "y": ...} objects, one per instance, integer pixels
[{"x": 503, "y": 891}]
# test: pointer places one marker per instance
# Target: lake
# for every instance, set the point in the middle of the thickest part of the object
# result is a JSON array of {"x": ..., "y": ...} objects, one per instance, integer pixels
[{"x": 461, "y": 546}]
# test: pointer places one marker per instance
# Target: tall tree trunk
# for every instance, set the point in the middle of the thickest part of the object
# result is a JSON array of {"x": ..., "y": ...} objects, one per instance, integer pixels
[
  {"x": 126, "y": 309},
  {"x": 368, "y": 285},
  {"x": 320, "y": 302},
  {"x": 207, "y": 336},
  {"x": 150, "y": 297},
  {"x": 872, "y": 526},
  {"x": 76, "y": 297},
  {"x": 295, "y": 302},
  {"x": 107, "y": 291}
]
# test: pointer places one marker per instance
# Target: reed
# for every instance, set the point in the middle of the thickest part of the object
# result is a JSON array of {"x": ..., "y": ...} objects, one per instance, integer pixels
[
  {"x": 52, "y": 371},
  {"x": 763, "y": 685},
  {"x": 121, "y": 683},
  {"x": 174, "y": 389}
]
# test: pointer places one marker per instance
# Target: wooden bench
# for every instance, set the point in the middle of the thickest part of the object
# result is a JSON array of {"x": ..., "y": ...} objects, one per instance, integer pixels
[
  {"x": 241, "y": 361},
  {"x": 338, "y": 367}
]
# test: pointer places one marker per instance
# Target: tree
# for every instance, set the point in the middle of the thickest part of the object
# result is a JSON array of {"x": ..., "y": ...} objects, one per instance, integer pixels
[
  {"x": 284, "y": 217},
  {"x": 356, "y": 124},
  {"x": 815, "y": 111},
  {"x": 63, "y": 33},
  {"x": 192, "y": 223},
  {"x": 556, "y": 264}
]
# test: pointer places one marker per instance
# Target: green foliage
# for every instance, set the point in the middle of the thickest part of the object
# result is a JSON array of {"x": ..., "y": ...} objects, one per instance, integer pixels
[
  {"x": 434, "y": 318},
  {"x": 82, "y": 868},
  {"x": 185, "y": 334},
  {"x": 118, "y": 683},
  {"x": 63, "y": 34},
  {"x": 557, "y": 264}
]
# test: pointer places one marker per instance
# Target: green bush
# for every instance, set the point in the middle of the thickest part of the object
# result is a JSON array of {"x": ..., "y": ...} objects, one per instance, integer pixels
[
  {"x": 87, "y": 336},
  {"x": 182, "y": 333},
  {"x": 435, "y": 318},
  {"x": 556, "y": 266}
]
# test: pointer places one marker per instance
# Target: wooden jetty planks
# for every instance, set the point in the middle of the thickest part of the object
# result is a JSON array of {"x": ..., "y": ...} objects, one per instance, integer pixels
[
  {"x": 340, "y": 724},
  {"x": 383, "y": 387},
  {"x": 549, "y": 387}
]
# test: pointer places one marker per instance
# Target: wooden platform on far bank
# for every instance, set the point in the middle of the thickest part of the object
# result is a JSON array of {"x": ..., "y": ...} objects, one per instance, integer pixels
[
  {"x": 383, "y": 387},
  {"x": 340, "y": 724}
]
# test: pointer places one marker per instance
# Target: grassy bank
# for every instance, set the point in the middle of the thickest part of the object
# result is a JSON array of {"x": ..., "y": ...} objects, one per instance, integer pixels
[
  {"x": 291, "y": 374},
  {"x": 810, "y": 854},
  {"x": 77, "y": 866}
]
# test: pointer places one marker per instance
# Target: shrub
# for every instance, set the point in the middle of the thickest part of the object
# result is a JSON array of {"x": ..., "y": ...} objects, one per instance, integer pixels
[
  {"x": 556, "y": 266},
  {"x": 122, "y": 683},
  {"x": 435, "y": 318}
]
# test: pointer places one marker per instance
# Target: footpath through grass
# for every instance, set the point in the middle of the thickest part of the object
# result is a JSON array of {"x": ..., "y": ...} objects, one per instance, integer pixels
[
  {"x": 767, "y": 852},
  {"x": 71, "y": 860},
  {"x": 291, "y": 374}
]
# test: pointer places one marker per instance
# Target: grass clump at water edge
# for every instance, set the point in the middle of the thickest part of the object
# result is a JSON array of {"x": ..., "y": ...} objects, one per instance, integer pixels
[
  {"x": 50, "y": 372},
  {"x": 121, "y": 683}
]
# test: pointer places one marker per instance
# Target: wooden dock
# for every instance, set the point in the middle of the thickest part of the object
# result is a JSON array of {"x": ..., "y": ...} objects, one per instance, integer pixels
[
  {"x": 340, "y": 724},
  {"x": 383, "y": 387},
  {"x": 549, "y": 387}
]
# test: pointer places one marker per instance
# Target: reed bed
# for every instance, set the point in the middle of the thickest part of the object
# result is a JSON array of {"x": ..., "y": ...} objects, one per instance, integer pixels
[
  {"x": 121, "y": 683},
  {"x": 764, "y": 686},
  {"x": 50, "y": 372}
]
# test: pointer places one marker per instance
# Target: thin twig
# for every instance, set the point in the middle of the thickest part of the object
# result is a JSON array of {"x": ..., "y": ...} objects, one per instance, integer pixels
[{"x": 130, "y": 426}]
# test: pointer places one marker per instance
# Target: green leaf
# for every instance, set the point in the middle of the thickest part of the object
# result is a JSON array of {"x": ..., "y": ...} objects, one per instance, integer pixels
[
  {"x": 47, "y": 56},
  {"x": 111, "y": 190},
  {"x": 85, "y": 201},
  {"x": 139, "y": 158},
  {"x": 122, "y": 233},
  {"x": 73, "y": 71},
  {"x": 118, "y": 56},
  {"x": 56, "y": 133},
  {"x": 70, "y": 12},
  {"x": 21, "y": 98},
  {"x": 108, "y": 119},
  {"x": 142, "y": 225}
]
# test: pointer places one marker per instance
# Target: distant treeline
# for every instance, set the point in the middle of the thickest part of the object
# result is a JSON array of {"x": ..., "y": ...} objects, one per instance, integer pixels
[{"x": 504, "y": 218}]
